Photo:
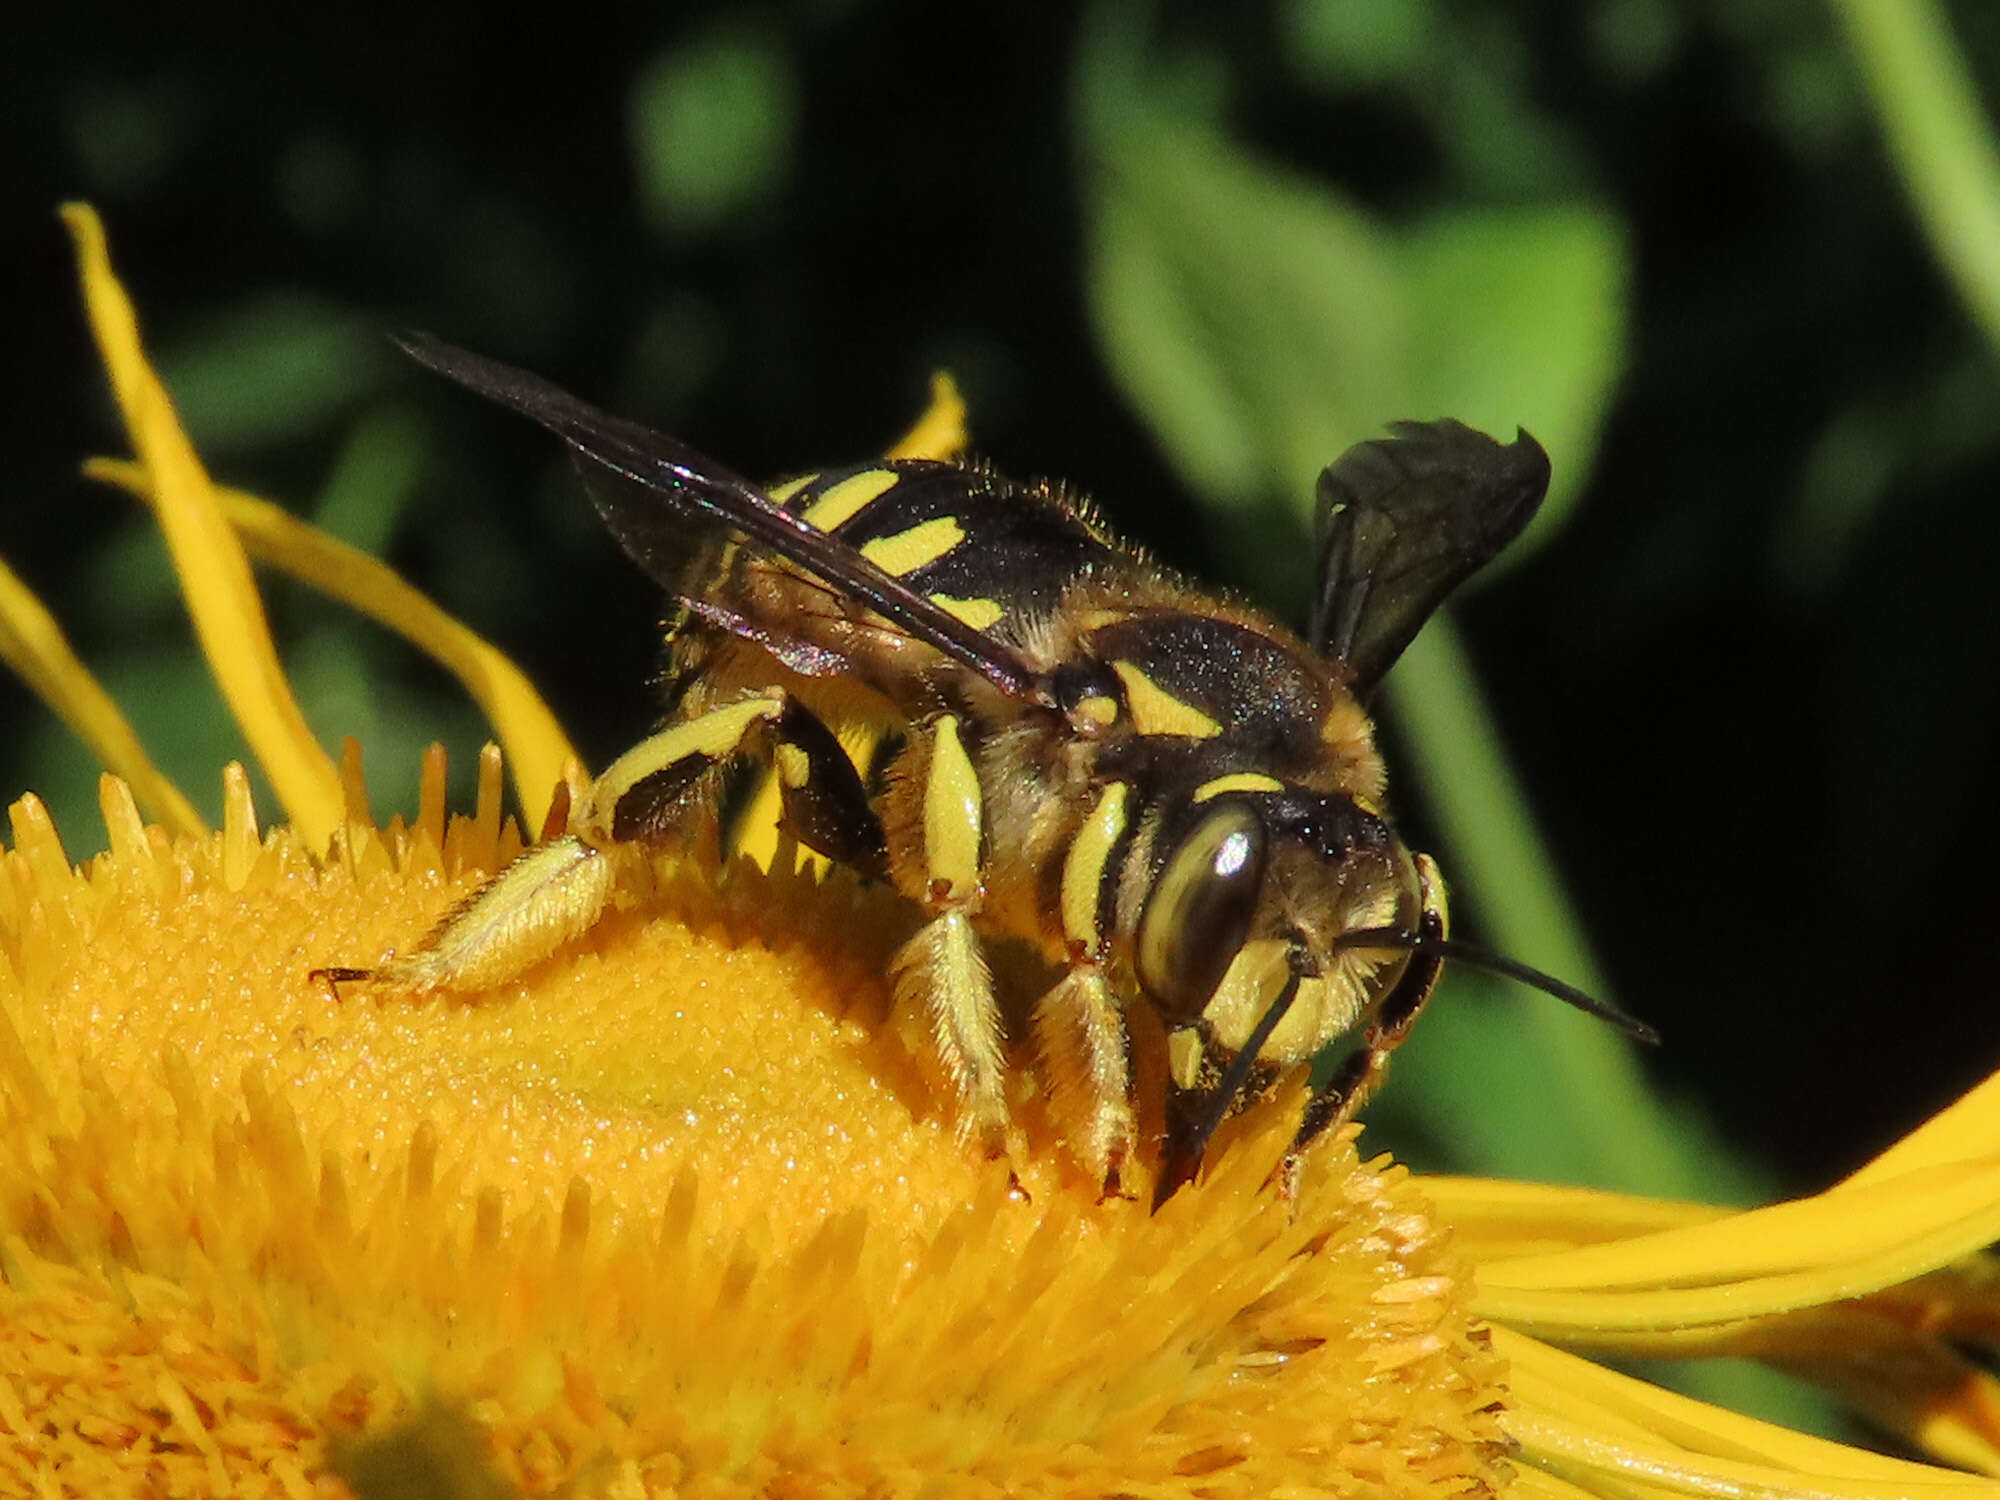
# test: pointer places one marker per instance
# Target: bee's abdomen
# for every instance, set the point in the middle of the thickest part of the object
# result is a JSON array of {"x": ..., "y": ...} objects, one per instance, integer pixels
[{"x": 991, "y": 551}]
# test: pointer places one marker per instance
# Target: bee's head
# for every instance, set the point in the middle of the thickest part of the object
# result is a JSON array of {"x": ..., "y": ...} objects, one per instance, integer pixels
[
  {"x": 1254, "y": 888},
  {"x": 1277, "y": 919}
]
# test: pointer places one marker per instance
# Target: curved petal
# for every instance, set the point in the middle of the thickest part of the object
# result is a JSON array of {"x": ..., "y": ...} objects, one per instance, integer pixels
[
  {"x": 533, "y": 743},
  {"x": 33, "y": 645},
  {"x": 222, "y": 598}
]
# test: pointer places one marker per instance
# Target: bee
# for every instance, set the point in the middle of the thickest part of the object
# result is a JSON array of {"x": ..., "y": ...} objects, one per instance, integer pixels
[{"x": 1176, "y": 799}]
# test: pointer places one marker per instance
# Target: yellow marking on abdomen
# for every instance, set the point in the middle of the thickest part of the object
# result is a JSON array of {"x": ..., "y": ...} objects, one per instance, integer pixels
[
  {"x": 980, "y": 614},
  {"x": 1084, "y": 868},
  {"x": 783, "y": 492},
  {"x": 1238, "y": 781},
  {"x": 843, "y": 501},
  {"x": 1157, "y": 711},
  {"x": 952, "y": 813},
  {"x": 919, "y": 547}
]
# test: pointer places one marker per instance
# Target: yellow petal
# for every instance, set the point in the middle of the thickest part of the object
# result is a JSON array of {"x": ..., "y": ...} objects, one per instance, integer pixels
[
  {"x": 1502, "y": 1219},
  {"x": 533, "y": 742},
  {"x": 1920, "y": 1220},
  {"x": 33, "y": 645},
  {"x": 940, "y": 432},
  {"x": 1597, "y": 1428},
  {"x": 1929, "y": 1395},
  {"x": 228, "y": 617},
  {"x": 1871, "y": 1232},
  {"x": 1965, "y": 1131}
]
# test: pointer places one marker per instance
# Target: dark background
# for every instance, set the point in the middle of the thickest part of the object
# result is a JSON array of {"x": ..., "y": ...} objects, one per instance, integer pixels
[{"x": 1747, "y": 682}]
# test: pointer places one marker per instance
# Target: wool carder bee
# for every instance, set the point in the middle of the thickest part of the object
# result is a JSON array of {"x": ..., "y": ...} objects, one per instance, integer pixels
[{"x": 1172, "y": 796}]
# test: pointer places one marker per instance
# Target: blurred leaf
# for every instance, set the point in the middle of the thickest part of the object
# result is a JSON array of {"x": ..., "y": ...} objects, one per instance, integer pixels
[
  {"x": 1518, "y": 320},
  {"x": 712, "y": 127},
  {"x": 1938, "y": 136},
  {"x": 1636, "y": 39},
  {"x": 128, "y": 584},
  {"x": 1240, "y": 310},
  {"x": 270, "y": 370},
  {"x": 1359, "y": 42},
  {"x": 1264, "y": 323},
  {"x": 372, "y": 480},
  {"x": 1816, "y": 102},
  {"x": 347, "y": 684},
  {"x": 1589, "y": 1115},
  {"x": 163, "y": 684},
  {"x": 1884, "y": 445}
]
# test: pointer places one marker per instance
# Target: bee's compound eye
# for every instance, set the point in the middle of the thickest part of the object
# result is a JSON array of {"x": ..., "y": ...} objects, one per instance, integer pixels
[{"x": 1199, "y": 910}]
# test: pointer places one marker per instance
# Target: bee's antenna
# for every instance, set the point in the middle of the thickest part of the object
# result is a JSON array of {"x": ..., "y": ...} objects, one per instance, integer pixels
[{"x": 1474, "y": 956}]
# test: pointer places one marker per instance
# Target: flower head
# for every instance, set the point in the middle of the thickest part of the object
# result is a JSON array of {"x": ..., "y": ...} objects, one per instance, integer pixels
[
  {"x": 673, "y": 1205},
  {"x": 675, "y": 1211}
]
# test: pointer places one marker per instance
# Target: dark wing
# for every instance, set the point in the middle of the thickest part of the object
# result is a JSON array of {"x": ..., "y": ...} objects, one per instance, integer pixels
[
  {"x": 669, "y": 486},
  {"x": 1404, "y": 520}
]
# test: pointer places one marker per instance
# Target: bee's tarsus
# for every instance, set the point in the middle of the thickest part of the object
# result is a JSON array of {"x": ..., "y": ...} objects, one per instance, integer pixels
[
  {"x": 1113, "y": 1187},
  {"x": 334, "y": 977}
]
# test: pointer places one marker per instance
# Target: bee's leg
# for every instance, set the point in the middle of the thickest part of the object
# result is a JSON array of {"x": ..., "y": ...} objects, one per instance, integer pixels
[
  {"x": 645, "y": 793},
  {"x": 1361, "y": 1072},
  {"x": 942, "y": 968},
  {"x": 826, "y": 806},
  {"x": 1081, "y": 1035},
  {"x": 558, "y": 890},
  {"x": 1079, "y": 1024},
  {"x": 758, "y": 822},
  {"x": 553, "y": 893}
]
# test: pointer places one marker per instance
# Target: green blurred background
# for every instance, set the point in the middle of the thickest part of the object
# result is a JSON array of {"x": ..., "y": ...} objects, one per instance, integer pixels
[{"x": 1716, "y": 738}]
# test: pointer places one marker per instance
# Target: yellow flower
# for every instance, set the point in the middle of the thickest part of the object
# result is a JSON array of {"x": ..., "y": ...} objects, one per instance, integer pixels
[{"x": 674, "y": 1212}]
